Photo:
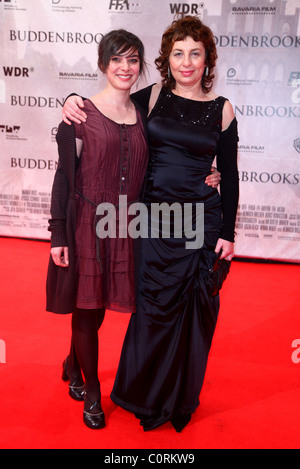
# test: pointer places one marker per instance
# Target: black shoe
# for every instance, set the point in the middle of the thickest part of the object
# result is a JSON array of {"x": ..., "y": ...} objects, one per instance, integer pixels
[
  {"x": 76, "y": 388},
  {"x": 94, "y": 417}
]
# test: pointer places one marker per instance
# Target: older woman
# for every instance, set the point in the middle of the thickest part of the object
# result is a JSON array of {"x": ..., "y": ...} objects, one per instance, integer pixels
[{"x": 166, "y": 347}]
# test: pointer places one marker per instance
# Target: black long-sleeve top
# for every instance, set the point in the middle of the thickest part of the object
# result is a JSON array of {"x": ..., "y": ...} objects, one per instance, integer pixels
[{"x": 226, "y": 154}]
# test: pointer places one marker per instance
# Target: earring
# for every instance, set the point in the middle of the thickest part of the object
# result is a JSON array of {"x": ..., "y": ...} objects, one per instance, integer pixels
[
  {"x": 169, "y": 72},
  {"x": 206, "y": 71}
]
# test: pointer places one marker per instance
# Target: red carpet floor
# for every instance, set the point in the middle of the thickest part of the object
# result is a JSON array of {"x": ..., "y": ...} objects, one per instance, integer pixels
[{"x": 251, "y": 395}]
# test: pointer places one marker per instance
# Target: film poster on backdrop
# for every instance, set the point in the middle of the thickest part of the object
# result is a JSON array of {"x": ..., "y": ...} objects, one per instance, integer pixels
[{"x": 49, "y": 49}]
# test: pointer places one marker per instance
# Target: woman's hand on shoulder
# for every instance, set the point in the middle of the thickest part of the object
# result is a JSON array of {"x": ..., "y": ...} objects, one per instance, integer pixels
[
  {"x": 71, "y": 110},
  {"x": 228, "y": 115}
]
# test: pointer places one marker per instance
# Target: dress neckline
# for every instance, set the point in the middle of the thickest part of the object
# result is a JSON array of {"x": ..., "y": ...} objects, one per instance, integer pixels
[
  {"x": 170, "y": 92},
  {"x": 111, "y": 120},
  {"x": 188, "y": 111}
]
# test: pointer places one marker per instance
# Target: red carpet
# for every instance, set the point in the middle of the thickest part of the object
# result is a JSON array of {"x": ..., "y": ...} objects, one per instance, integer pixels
[{"x": 252, "y": 388}]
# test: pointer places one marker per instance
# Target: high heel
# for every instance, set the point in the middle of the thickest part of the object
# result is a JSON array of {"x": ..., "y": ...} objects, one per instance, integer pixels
[
  {"x": 65, "y": 376},
  {"x": 95, "y": 421},
  {"x": 76, "y": 390}
]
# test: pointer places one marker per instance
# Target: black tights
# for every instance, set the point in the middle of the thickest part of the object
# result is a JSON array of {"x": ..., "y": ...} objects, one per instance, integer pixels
[{"x": 84, "y": 348}]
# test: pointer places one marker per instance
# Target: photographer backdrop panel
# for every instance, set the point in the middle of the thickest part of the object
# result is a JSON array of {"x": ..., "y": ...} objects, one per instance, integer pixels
[{"x": 49, "y": 49}]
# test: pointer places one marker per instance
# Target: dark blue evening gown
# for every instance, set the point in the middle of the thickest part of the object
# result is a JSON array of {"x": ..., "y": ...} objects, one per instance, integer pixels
[{"x": 166, "y": 347}]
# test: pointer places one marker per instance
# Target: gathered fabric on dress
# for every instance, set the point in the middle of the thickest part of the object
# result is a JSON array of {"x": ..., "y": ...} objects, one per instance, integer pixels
[
  {"x": 112, "y": 164},
  {"x": 165, "y": 352}
]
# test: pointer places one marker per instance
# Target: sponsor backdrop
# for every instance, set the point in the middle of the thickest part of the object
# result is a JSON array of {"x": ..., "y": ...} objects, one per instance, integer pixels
[{"x": 49, "y": 49}]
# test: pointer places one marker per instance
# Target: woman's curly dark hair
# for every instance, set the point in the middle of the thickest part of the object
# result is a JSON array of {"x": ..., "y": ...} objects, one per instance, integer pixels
[{"x": 187, "y": 26}]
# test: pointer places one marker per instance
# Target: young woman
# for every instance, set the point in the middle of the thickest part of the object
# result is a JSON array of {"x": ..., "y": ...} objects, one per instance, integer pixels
[{"x": 98, "y": 161}]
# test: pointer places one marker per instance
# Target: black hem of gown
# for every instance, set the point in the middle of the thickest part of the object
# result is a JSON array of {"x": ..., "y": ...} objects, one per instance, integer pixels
[{"x": 149, "y": 422}]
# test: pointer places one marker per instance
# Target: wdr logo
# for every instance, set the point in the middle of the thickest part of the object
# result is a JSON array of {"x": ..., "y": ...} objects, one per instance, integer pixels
[{"x": 2, "y": 351}]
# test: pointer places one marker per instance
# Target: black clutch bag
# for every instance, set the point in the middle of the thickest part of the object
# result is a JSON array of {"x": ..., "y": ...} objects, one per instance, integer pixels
[{"x": 216, "y": 275}]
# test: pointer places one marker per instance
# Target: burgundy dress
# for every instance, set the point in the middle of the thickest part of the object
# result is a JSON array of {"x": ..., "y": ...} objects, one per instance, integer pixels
[{"x": 113, "y": 163}]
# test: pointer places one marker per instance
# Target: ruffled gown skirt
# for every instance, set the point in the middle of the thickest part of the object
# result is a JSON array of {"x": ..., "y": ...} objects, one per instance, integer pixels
[{"x": 165, "y": 352}]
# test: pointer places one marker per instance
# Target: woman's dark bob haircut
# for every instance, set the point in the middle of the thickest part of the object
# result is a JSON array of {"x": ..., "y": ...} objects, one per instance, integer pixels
[
  {"x": 119, "y": 42},
  {"x": 180, "y": 29}
]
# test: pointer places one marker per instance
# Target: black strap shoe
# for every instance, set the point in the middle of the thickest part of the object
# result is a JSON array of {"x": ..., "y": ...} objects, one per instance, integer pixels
[
  {"x": 76, "y": 388},
  {"x": 94, "y": 417}
]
